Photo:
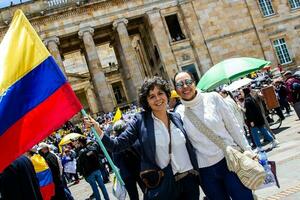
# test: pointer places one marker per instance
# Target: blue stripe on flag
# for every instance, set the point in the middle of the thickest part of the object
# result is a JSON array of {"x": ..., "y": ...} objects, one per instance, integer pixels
[
  {"x": 29, "y": 91},
  {"x": 44, "y": 177}
]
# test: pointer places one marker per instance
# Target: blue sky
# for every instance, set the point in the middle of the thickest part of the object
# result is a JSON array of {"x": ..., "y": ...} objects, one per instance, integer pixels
[{"x": 5, "y": 3}]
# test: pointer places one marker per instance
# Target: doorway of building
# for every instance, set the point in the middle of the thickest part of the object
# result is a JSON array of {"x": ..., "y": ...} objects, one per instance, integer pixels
[
  {"x": 81, "y": 95},
  {"x": 119, "y": 92}
]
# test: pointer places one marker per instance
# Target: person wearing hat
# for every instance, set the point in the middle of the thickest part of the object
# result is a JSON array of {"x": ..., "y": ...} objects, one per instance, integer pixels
[
  {"x": 128, "y": 161},
  {"x": 43, "y": 173},
  {"x": 56, "y": 170},
  {"x": 175, "y": 104},
  {"x": 69, "y": 165},
  {"x": 293, "y": 95},
  {"x": 89, "y": 165}
]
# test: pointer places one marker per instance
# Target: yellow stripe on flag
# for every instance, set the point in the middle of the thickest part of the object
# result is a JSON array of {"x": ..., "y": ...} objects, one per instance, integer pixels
[
  {"x": 14, "y": 63},
  {"x": 39, "y": 163},
  {"x": 118, "y": 115}
]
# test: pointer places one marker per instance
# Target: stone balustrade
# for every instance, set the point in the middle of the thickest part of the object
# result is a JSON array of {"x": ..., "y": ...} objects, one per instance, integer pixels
[
  {"x": 111, "y": 69},
  {"x": 57, "y": 3}
]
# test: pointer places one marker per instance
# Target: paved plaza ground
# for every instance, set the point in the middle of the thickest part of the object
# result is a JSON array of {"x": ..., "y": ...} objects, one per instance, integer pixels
[{"x": 287, "y": 157}]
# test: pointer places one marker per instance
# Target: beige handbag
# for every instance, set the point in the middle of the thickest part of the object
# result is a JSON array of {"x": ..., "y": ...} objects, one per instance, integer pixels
[{"x": 249, "y": 171}]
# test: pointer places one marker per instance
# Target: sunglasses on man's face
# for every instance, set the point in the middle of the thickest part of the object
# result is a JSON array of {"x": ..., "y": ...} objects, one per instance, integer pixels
[{"x": 187, "y": 82}]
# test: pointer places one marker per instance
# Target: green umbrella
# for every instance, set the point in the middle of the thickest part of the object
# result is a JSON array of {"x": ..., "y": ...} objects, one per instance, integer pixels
[{"x": 229, "y": 70}]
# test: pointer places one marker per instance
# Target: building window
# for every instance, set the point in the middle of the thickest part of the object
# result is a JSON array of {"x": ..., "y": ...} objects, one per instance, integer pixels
[
  {"x": 108, "y": 56},
  {"x": 174, "y": 28},
  {"x": 192, "y": 69},
  {"x": 266, "y": 7},
  {"x": 294, "y": 4},
  {"x": 282, "y": 51},
  {"x": 75, "y": 62}
]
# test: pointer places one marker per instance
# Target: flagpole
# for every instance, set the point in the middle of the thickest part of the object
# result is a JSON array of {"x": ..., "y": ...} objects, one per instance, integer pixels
[{"x": 114, "y": 168}]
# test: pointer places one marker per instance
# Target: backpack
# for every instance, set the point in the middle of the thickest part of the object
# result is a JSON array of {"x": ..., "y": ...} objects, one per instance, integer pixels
[
  {"x": 89, "y": 160},
  {"x": 296, "y": 87}
]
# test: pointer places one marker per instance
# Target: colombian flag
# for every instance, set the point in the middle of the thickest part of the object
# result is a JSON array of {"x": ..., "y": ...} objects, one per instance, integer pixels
[
  {"x": 35, "y": 98},
  {"x": 44, "y": 176}
]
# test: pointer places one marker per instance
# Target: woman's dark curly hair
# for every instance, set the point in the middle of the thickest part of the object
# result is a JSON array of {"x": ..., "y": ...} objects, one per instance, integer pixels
[{"x": 149, "y": 85}]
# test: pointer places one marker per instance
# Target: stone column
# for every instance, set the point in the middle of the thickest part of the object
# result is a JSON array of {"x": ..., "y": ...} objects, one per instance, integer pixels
[
  {"x": 131, "y": 73},
  {"x": 141, "y": 56},
  {"x": 120, "y": 59},
  {"x": 162, "y": 42},
  {"x": 92, "y": 101},
  {"x": 52, "y": 45},
  {"x": 194, "y": 31},
  {"x": 96, "y": 71}
]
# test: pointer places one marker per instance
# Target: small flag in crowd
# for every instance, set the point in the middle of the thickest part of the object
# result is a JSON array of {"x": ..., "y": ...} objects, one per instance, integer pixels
[
  {"x": 44, "y": 176},
  {"x": 35, "y": 97},
  {"x": 118, "y": 115}
]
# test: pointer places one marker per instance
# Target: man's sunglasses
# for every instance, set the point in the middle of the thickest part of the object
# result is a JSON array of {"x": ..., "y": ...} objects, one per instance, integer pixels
[{"x": 187, "y": 82}]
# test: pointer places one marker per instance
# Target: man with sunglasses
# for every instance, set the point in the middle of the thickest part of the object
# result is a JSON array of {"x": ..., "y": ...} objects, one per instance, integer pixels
[{"x": 217, "y": 182}]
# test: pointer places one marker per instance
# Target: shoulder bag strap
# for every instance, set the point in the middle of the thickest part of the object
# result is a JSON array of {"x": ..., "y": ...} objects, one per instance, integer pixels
[
  {"x": 204, "y": 129},
  {"x": 170, "y": 143}
]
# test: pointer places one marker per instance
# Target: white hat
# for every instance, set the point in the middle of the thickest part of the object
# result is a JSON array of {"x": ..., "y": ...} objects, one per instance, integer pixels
[{"x": 42, "y": 145}]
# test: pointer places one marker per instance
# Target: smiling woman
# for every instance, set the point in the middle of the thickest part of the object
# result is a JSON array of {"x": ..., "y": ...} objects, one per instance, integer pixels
[
  {"x": 147, "y": 92},
  {"x": 168, "y": 161},
  {"x": 211, "y": 109}
]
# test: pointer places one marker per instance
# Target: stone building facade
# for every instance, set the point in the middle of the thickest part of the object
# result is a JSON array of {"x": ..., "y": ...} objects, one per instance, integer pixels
[{"x": 107, "y": 48}]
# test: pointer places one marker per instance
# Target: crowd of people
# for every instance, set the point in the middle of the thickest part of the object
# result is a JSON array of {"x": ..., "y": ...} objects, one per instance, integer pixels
[
  {"x": 156, "y": 146},
  {"x": 79, "y": 157}
]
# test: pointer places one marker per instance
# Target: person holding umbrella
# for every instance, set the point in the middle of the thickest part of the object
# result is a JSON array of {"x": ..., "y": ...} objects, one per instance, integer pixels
[{"x": 217, "y": 182}]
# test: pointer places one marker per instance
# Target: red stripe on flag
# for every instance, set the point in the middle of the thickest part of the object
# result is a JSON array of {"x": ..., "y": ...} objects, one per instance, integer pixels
[
  {"x": 38, "y": 123},
  {"x": 48, "y": 191}
]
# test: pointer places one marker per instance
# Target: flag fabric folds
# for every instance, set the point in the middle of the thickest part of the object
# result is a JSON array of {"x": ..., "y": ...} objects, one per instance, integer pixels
[
  {"x": 35, "y": 97},
  {"x": 118, "y": 115},
  {"x": 44, "y": 176}
]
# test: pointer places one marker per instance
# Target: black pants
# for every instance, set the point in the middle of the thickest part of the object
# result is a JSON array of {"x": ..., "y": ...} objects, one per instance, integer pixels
[
  {"x": 188, "y": 187},
  {"x": 279, "y": 113},
  {"x": 70, "y": 176},
  {"x": 105, "y": 174},
  {"x": 59, "y": 193},
  {"x": 131, "y": 187},
  {"x": 285, "y": 104}
]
